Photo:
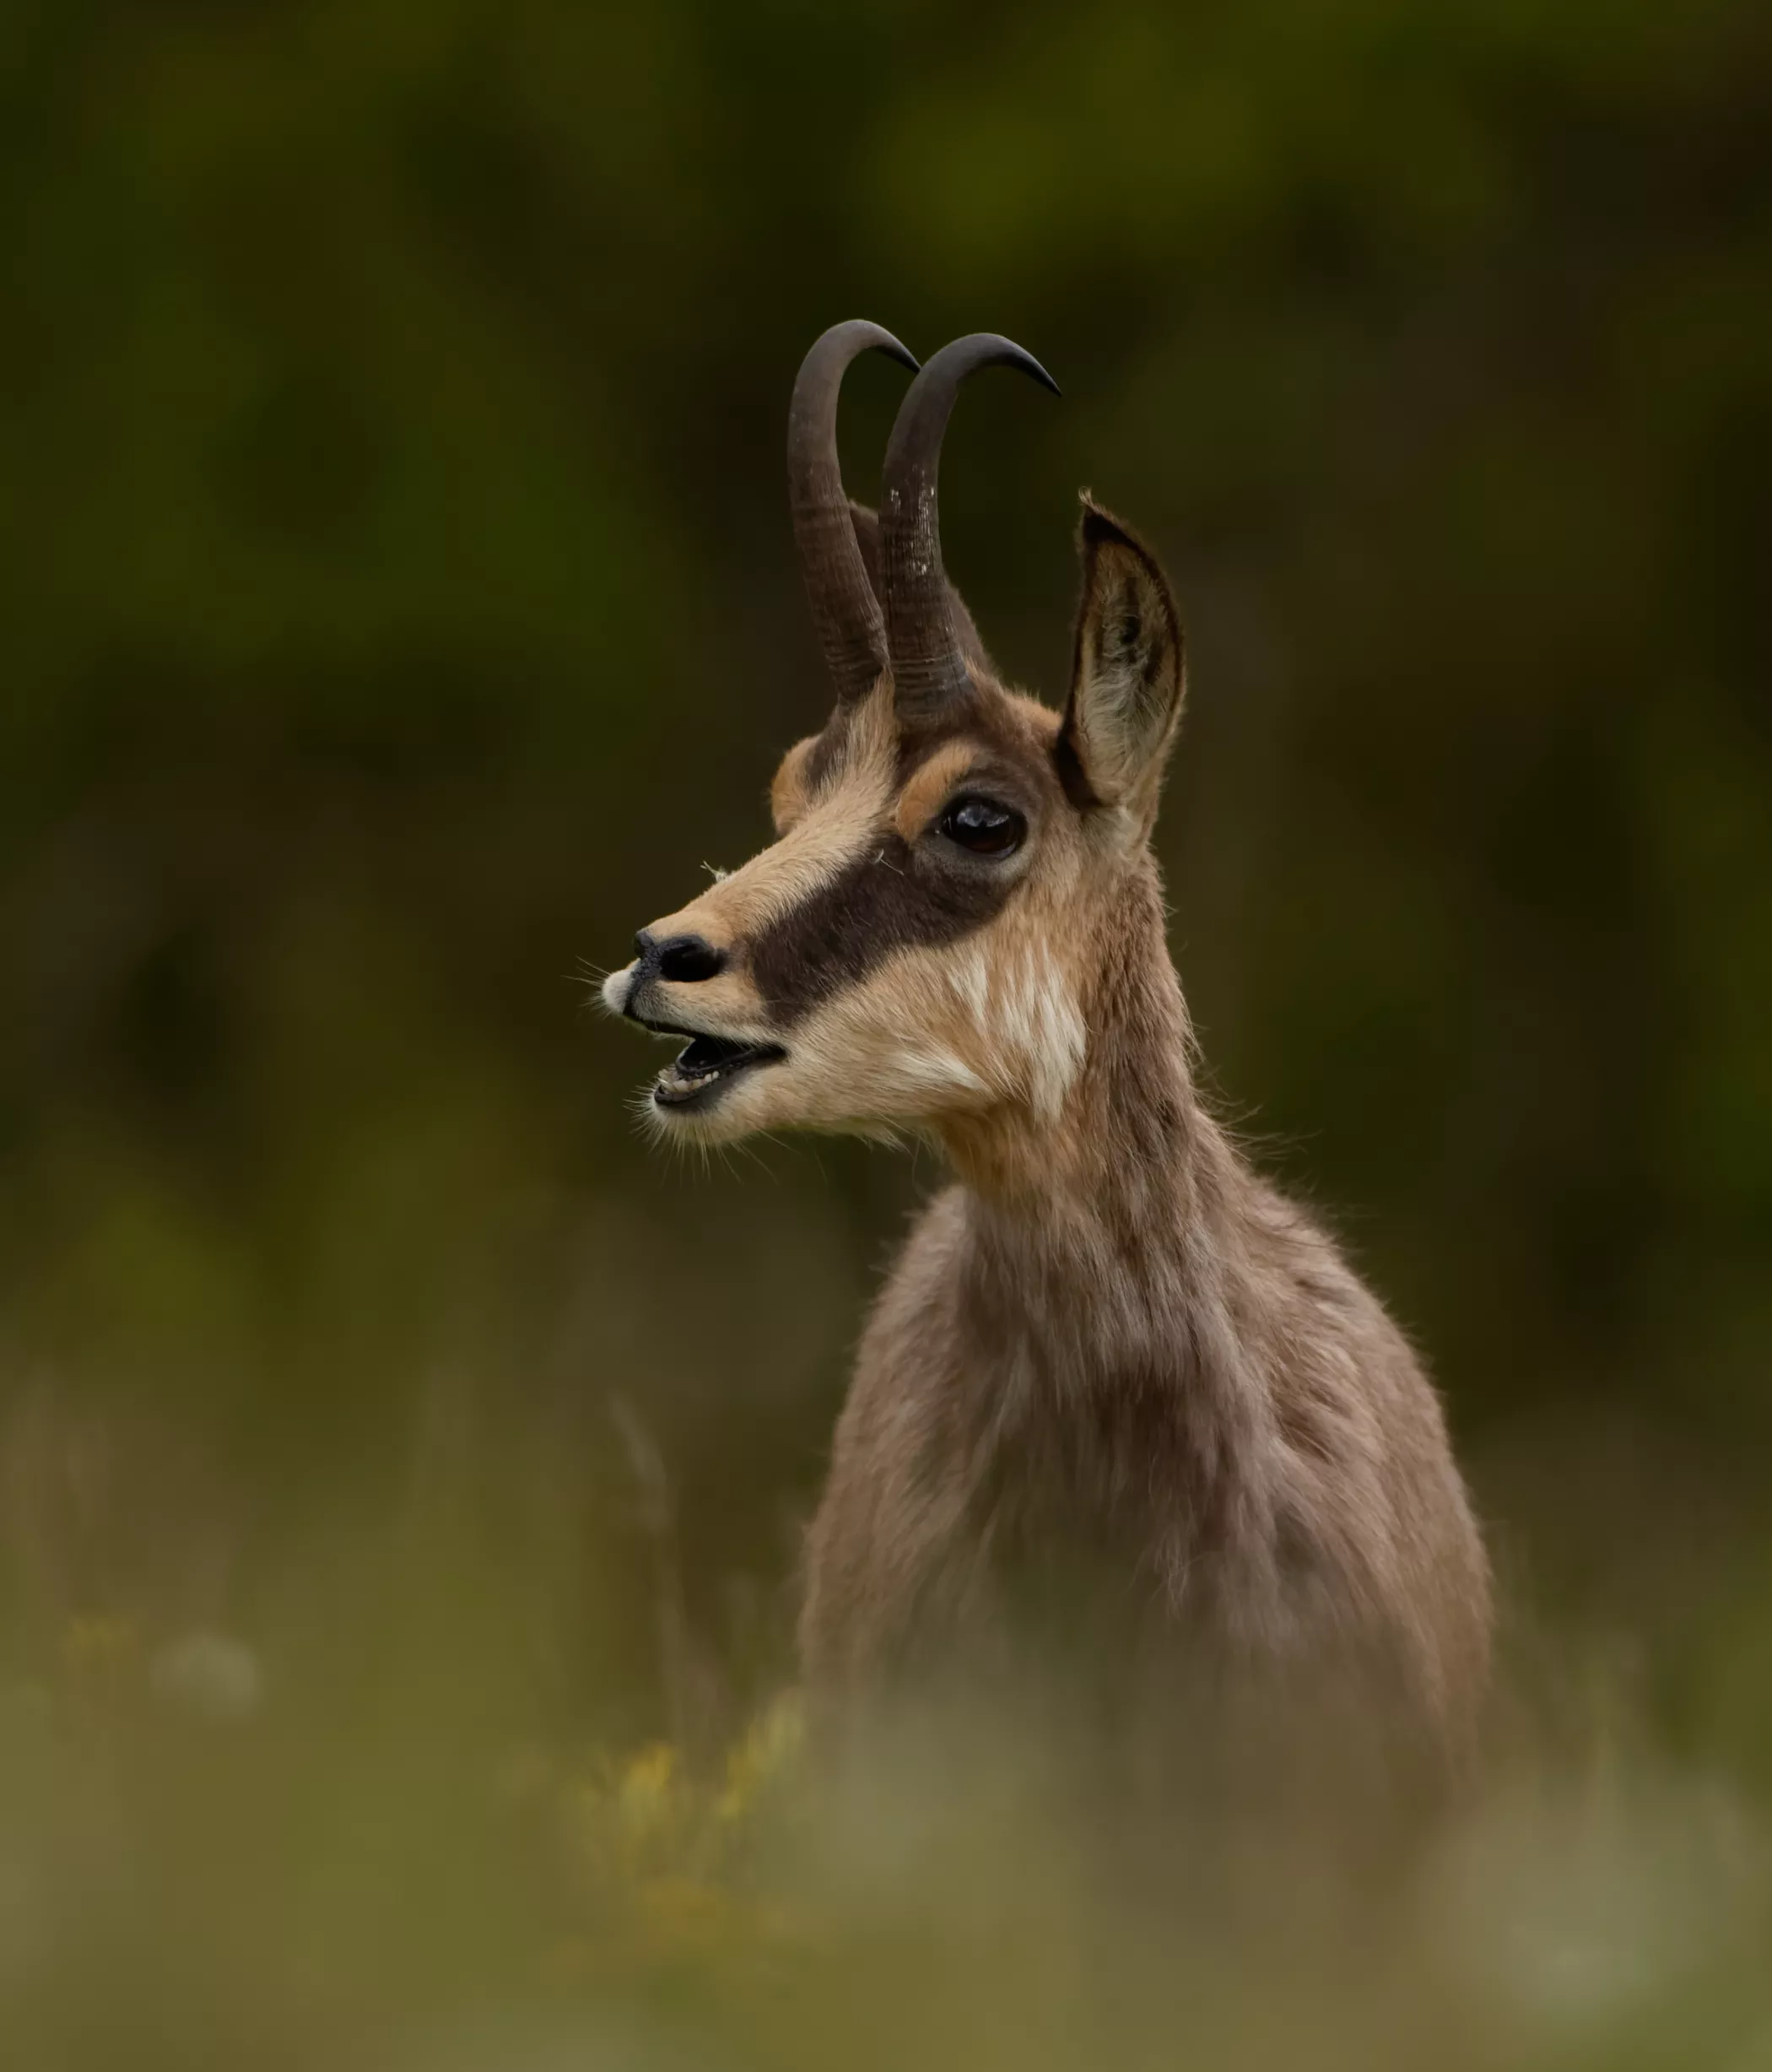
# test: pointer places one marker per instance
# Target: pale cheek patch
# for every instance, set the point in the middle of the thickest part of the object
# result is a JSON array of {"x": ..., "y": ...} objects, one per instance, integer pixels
[
  {"x": 891, "y": 1052},
  {"x": 1021, "y": 1006},
  {"x": 931, "y": 1034},
  {"x": 896, "y": 1048}
]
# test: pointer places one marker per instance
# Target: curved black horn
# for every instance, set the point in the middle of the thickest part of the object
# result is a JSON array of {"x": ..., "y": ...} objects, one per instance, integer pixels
[
  {"x": 928, "y": 666},
  {"x": 844, "y": 606}
]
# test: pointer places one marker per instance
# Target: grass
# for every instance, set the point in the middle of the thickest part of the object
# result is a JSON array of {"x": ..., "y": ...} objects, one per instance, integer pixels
[{"x": 413, "y": 1804}]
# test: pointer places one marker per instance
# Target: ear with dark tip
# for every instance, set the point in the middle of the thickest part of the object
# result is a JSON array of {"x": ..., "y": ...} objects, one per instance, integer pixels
[
  {"x": 971, "y": 643},
  {"x": 1127, "y": 677}
]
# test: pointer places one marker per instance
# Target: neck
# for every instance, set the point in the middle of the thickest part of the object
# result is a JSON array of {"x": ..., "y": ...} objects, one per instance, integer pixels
[
  {"x": 1106, "y": 1264},
  {"x": 1130, "y": 1129},
  {"x": 1123, "y": 1213}
]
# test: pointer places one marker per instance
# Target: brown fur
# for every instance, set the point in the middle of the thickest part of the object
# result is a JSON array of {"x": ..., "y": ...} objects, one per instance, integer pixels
[{"x": 1111, "y": 1365}]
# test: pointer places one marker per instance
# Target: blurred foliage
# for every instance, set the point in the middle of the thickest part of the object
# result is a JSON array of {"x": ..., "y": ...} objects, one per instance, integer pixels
[
  {"x": 391, "y": 1882},
  {"x": 397, "y": 608}
]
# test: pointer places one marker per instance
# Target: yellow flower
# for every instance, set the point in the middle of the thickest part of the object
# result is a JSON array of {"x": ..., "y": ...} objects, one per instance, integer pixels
[
  {"x": 764, "y": 1755},
  {"x": 651, "y": 1801},
  {"x": 636, "y": 1818}
]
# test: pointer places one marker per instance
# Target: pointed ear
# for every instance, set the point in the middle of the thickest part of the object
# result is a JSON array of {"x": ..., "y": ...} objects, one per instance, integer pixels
[
  {"x": 1127, "y": 677},
  {"x": 866, "y": 527}
]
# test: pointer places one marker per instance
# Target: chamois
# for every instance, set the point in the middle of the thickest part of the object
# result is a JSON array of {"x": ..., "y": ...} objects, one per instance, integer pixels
[{"x": 1110, "y": 1355}]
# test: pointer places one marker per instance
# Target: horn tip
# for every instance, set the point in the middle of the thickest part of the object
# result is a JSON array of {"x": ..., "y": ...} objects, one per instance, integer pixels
[
  {"x": 1007, "y": 351},
  {"x": 861, "y": 335},
  {"x": 895, "y": 349}
]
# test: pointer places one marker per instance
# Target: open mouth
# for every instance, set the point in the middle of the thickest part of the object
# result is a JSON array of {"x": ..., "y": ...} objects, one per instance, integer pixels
[{"x": 707, "y": 1064}]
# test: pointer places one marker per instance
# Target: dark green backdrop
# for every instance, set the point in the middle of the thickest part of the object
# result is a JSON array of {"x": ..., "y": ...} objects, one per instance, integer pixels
[{"x": 397, "y": 607}]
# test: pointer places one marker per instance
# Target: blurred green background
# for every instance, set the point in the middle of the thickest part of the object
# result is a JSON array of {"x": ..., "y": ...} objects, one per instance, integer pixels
[{"x": 398, "y": 608}]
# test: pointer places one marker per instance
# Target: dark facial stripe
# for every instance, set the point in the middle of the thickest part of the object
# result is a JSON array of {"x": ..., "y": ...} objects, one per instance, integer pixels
[{"x": 894, "y": 897}]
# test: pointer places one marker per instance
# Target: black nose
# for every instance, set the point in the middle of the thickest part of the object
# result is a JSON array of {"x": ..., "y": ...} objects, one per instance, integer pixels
[{"x": 683, "y": 958}]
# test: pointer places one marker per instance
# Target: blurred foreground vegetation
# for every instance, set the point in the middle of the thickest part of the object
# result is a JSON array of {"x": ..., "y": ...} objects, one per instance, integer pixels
[
  {"x": 396, "y": 609},
  {"x": 367, "y": 1848}
]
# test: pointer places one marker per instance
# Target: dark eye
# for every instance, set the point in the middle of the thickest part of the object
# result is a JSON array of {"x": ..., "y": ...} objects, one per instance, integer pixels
[{"x": 983, "y": 826}]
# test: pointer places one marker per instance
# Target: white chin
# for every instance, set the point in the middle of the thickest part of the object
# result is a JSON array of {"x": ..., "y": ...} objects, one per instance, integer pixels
[{"x": 616, "y": 987}]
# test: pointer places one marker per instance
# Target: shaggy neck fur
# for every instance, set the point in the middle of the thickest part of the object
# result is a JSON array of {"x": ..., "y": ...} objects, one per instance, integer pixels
[{"x": 1107, "y": 1264}]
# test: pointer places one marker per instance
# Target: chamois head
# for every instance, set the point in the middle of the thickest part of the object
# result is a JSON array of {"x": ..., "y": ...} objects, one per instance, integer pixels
[{"x": 923, "y": 943}]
